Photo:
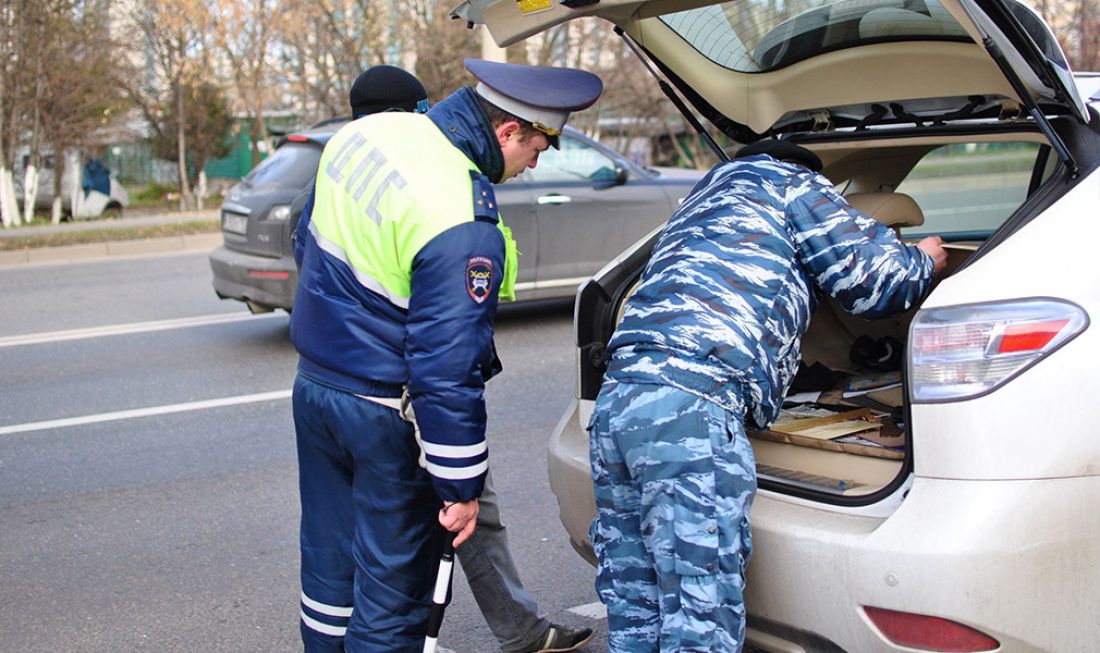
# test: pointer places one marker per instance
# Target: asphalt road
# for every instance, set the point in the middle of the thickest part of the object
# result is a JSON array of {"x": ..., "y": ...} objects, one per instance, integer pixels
[{"x": 148, "y": 495}]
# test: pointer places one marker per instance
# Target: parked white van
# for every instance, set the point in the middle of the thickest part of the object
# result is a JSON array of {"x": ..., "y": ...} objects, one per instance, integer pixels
[
  {"x": 88, "y": 188},
  {"x": 956, "y": 506}
]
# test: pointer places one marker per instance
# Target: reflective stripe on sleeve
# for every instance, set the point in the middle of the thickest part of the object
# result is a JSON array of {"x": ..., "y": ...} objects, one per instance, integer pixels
[
  {"x": 457, "y": 473},
  {"x": 454, "y": 451}
]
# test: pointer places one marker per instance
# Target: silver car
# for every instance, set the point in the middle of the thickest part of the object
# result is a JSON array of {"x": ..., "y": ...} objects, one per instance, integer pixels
[{"x": 580, "y": 206}]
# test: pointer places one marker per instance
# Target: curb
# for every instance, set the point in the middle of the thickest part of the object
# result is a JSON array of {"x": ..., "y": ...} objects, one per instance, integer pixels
[{"x": 91, "y": 251}]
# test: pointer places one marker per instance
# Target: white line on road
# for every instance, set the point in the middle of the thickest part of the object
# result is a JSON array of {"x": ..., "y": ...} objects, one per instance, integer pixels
[
  {"x": 144, "y": 412},
  {"x": 132, "y": 327},
  {"x": 595, "y": 610}
]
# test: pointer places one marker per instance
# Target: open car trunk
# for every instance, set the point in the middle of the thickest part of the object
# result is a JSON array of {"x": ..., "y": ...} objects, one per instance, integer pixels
[{"x": 844, "y": 436}]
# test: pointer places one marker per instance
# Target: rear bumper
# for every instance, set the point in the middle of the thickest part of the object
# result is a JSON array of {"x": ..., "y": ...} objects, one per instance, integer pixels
[
  {"x": 268, "y": 282},
  {"x": 1014, "y": 559}
]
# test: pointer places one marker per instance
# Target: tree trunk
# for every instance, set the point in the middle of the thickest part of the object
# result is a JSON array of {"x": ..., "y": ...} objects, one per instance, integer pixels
[
  {"x": 262, "y": 127},
  {"x": 30, "y": 180},
  {"x": 30, "y": 190},
  {"x": 200, "y": 189},
  {"x": 254, "y": 141},
  {"x": 9, "y": 211},
  {"x": 76, "y": 193},
  {"x": 60, "y": 161},
  {"x": 186, "y": 201},
  {"x": 7, "y": 193}
]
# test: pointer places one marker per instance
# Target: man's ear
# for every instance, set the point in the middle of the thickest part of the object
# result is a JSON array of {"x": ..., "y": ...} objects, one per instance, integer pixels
[{"x": 505, "y": 130}]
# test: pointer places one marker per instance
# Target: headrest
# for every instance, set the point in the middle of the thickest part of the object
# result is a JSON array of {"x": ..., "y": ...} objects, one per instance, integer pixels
[{"x": 891, "y": 209}]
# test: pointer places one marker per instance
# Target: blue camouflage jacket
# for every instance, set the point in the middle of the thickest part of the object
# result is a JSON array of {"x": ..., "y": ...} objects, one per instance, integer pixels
[{"x": 728, "y": 293}]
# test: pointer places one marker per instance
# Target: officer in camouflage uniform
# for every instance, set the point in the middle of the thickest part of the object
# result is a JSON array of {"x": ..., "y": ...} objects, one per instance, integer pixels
[{"x": 712, "y": 337}]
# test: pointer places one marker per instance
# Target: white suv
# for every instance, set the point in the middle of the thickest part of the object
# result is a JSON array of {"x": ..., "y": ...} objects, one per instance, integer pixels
[{"x": 954, "y": 502}]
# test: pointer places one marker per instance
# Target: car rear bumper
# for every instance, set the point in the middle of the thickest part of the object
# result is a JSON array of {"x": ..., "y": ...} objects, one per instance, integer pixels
[
  {"x": 266, "y": 282},
  {"x": 1013, "y": 559}
]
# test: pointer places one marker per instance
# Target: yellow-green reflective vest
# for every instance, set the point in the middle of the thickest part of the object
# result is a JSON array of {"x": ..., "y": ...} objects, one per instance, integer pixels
[{"x": 388, "y": 184}]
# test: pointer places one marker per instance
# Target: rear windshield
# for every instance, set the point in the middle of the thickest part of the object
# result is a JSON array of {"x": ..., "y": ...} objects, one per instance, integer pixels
[
  {"x": 292, "y": 167},
  {"x": 760, "y": 35}
]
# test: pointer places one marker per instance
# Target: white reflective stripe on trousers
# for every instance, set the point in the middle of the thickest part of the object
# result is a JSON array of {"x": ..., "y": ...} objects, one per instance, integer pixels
[
  {"x": 324, "y": 629},
  {"x": 324, "y": 608}
]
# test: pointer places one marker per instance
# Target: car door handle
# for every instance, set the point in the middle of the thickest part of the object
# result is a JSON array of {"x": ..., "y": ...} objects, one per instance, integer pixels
[{"x": 554, "y": 198}]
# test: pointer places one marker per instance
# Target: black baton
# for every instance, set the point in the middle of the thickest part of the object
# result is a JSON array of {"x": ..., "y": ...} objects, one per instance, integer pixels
[{"x": 439, "y": 596}]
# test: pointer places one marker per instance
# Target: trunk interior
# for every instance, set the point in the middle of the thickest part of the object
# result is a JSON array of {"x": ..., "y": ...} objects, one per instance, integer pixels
[{"x": 843, "y": 431}]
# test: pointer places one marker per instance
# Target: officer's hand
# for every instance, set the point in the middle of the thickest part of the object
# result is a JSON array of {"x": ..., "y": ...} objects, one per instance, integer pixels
[
  {"x": 459, "y": 518},
  {"x": 933, "y": 246}
]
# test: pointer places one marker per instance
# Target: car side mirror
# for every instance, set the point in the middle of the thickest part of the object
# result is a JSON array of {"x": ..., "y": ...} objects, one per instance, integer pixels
[
  {"x": 607, "y": 177},
  {"x": 622, "y": 173}
]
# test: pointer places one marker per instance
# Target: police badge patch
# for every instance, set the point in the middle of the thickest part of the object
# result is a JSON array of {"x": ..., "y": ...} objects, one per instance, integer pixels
[{"x": 479, "y": 277}]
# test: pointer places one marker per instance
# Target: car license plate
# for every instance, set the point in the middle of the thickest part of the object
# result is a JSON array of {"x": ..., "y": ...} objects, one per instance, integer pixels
[{"x": 238, "y": 224}]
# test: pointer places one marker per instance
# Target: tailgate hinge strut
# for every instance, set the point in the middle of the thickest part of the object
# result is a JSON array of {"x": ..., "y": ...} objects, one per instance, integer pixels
[{"x": 666, "y": 88}]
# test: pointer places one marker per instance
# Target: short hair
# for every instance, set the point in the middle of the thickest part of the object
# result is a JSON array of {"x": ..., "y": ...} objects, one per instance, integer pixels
[{"x": 498, "y": 117}]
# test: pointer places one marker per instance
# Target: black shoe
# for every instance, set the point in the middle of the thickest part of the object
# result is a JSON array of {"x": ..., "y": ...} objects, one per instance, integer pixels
[{"x": 559, "y": 639}]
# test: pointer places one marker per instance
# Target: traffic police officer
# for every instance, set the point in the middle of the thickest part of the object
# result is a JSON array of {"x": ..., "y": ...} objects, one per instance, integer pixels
[
  {"x": 404, "y": 259},
  {"x": 712, "y": 337}
]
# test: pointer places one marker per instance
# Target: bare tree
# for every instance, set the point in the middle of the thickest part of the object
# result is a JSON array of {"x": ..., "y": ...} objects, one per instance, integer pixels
[
  {"x": 327, "y": 43},
  {"x": 245, "y": 32},
  {"x": 75, "y": 97},
  {"x": 53, "y": 89},
  {"x": 207, "y": 122},
  {"x": 8, "y": 211},
  {"x": 14, "y": 82},
  {"x": 173, "y": 37},
  {"x": 439, "y": 45},
  {"x": 632, "y": 108}
]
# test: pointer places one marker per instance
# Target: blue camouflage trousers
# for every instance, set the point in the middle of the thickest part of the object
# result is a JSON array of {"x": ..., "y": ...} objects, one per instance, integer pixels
[{"x": 674, "y": 476}]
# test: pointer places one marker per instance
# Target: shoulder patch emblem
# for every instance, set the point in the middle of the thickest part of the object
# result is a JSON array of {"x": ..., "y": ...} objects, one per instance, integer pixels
[{"x": 479, "y": 277}]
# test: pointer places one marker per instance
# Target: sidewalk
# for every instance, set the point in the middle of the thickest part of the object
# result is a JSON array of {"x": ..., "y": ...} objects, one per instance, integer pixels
[{"x": 107, "y": 248}]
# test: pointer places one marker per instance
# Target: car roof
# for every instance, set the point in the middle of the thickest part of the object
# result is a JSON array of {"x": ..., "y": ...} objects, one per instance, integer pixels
[
  {"x": 319, "y": 133},
  {"x": 837, "y": 64}
]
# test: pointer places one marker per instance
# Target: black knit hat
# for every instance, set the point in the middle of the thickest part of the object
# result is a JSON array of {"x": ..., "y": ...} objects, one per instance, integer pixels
[
  {"x": 384, "y": 87},
  {"x": 782, "y": 150}
]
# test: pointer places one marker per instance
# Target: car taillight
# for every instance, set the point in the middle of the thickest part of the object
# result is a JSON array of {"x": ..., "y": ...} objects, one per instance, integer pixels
[
  {"x": 279, "y": 213},
  {"x": 957, "y": 352},
  {"x": 268, "y": 274},
  {"x": 927, "y": 633}
]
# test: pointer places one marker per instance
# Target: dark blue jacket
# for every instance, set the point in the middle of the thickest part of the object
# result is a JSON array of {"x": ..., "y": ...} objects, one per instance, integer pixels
[{"x": 359, "y": 336}]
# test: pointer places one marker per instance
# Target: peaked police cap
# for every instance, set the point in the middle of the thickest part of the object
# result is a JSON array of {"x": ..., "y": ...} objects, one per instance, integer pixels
[{"x": 543, "y": 96}]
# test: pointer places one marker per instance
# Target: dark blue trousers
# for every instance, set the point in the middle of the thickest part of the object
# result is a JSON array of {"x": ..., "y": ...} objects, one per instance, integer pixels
[{"x": 370, "y": 538}]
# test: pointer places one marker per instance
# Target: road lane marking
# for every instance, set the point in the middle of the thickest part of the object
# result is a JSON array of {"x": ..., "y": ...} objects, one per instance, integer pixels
[
  {"x": 144, "y": 412},
  {"x": 595, "y": 610},
  {"x": 132, "y": 327}
]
